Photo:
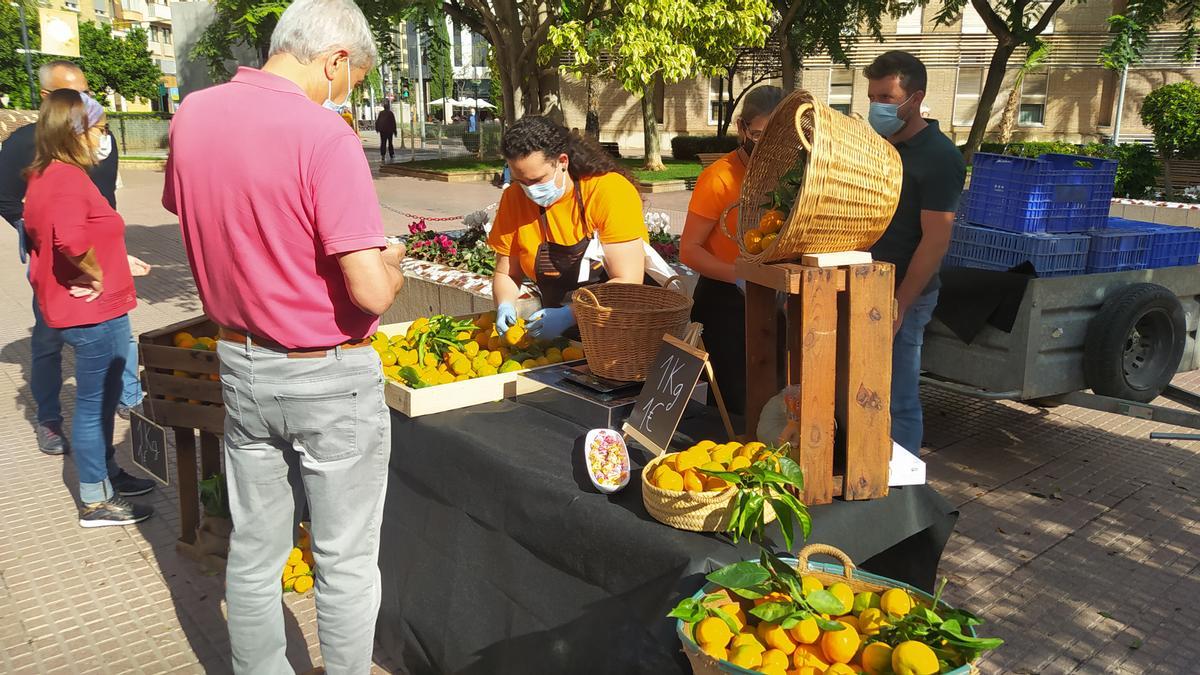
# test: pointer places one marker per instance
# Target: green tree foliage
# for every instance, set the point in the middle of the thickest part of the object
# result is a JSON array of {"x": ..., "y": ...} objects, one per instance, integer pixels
[
  {"x": 123, "y": 65},
  {"x": 437, "y": 54},
  {"x": 1131, "y": 30},
  {"x": 639, "y": 41},
  {"x": 809, "y": 27},
  {"x": 237, "y": 22},
  {"x": 14, "y": 80},
  {"x": 1173, "y": 114}
]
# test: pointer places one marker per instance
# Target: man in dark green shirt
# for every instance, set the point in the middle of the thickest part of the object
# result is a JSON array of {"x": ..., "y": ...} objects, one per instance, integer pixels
[{"x": 919, "y": 233}]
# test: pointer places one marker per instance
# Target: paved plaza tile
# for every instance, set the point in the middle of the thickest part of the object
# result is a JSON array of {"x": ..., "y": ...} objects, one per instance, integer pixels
[{"x": 1078, "y": 540}]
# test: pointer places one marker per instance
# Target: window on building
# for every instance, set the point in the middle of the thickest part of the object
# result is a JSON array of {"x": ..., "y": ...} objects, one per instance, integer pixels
[
  {"x": 910, "y": 23},
  {"x": 716, "y": 103},
  {"x": 841, "y": 89},
  {"x": 479, "y": 51},
  {"x": 972, "y": 23},
  {"x": 71, "y": 5},
  {"x": 966, "y": 95},
  {"x": 167, "y": 36},
  {"x": 1032, "y": 112}
]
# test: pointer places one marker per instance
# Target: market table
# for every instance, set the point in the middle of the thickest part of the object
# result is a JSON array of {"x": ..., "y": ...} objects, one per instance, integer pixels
[{"x": 499, "y": 556}]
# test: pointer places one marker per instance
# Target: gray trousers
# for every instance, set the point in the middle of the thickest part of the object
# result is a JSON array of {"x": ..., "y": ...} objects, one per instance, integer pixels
[{"x": 320, "y": 425}]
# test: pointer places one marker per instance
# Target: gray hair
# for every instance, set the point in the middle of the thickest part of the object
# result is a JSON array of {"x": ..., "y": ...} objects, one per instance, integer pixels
[
  {"x": 46, "y": 72},
  {"x": 760, "y": 101},
  {"x": 309, "y": 28}
]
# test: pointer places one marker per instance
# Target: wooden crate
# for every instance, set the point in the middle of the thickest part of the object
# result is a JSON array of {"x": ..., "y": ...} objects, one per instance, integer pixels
[
  {"x": 839, "y": 353},
  {"x": 191, "y": 407},
  {"x": 454, "y": 395}
]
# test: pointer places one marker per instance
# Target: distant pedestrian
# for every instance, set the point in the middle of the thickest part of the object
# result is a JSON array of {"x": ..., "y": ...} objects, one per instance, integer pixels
[
  {"x": 17, "y": 153},
  {"x": 472, "y": 123},
  {"x": 284, "y": 235},
  {"x": 83, "y": 285},
  {"x": 386, "y": 126}
]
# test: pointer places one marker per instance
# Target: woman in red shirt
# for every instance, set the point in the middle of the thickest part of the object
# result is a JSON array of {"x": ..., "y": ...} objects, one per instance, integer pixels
[{"x": 84, "y": 289}]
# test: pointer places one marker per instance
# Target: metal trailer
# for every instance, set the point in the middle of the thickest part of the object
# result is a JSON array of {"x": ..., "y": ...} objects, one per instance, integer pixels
[{"x": 1120, "y": 335}]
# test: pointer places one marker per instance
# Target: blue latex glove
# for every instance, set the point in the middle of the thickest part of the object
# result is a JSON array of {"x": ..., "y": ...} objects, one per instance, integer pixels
[
  {"x": 547, "y": 324},
  {"x": 22, "y": 241},
  {"x": 506, "y": 316}
]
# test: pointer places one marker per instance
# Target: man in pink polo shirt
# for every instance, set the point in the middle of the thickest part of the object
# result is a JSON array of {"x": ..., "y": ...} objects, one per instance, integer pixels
[{"x": 283, "y": 231}]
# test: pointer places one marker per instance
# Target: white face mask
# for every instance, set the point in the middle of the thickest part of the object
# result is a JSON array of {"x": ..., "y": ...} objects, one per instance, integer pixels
[
  {"x": 104, "y": 148},
  {"x": 339, "y": 108}
]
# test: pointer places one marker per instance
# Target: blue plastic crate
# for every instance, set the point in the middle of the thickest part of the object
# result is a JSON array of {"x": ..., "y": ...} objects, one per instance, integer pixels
[
  {"x": 1118, "y": 250},
  {"x": 1170, "y": 246},
  {"x": 988, "y": 248},
  {"x": 1052, "y": 193}
]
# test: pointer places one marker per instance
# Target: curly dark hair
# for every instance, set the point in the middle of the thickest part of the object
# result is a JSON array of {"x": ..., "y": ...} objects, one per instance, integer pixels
[{"x": 535, "y": 133}]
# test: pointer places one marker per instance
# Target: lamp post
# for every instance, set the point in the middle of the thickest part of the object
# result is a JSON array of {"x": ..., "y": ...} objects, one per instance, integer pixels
[{"x": 33, "y": 90}]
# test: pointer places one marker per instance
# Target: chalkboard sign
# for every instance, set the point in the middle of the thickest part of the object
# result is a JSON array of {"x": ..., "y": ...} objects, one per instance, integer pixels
[
  {"x": 149, "y": 446},
  {"x": 669, "y": 385}
]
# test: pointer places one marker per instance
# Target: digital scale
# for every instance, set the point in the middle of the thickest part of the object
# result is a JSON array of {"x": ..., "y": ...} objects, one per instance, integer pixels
[{"x": 590, "y": 400}]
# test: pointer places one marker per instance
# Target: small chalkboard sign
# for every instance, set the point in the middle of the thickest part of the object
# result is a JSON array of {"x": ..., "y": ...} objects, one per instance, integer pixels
[
  {"x": 149, "y": 446},
  {"x": 673, "y": 375}
]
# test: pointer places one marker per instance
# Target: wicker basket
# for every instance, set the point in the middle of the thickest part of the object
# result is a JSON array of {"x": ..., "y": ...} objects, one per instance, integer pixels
[
  {"x": 851, "y": 181},
  {"x": 859, "y": 581},
  {"x": 692, "y": 511},
  {"x": 622, "y": 326}
]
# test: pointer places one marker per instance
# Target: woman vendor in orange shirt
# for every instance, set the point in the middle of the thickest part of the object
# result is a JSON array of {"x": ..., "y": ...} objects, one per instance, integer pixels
[
  {"x": 565, "y": 190},
  {"x": 711, "y": 249}
]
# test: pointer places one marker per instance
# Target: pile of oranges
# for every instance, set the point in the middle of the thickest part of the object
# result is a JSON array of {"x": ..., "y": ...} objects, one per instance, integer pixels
[
  {"x": 761, "y": 239},
  {"x": 298, "y": 572},
  {"x": 185, "y": 340},
  {"x": 805, "y": 649},
  {"x": 681, "y": 471}
]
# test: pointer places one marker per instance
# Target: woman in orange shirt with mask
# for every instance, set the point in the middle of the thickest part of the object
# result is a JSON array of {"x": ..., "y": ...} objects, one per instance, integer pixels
[
  {"x": 566, "y": 189},
  {"x": 711, "y": 248}
]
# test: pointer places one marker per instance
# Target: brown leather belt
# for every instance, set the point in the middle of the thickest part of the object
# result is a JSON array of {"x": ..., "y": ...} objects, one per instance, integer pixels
[{"x": 238, "y": 337}]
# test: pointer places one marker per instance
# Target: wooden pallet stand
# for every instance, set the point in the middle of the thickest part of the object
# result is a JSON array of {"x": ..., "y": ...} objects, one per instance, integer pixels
[
  {"x": 191, "y": 406},
  {"x": 839, "y": 353}
]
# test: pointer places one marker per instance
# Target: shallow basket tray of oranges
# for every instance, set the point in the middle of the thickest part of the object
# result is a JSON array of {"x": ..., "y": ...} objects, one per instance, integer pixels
[{"x": 681, "y": 471}]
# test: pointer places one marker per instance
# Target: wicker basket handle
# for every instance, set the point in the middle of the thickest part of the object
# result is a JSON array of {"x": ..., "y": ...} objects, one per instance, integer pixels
[
  {"x": 800, "y": 112},
  {"x": 677, "y": 280},
  {"x": 825, "y": 549},
  {"x": 720, "y": 224},
  {"x": 595, "y": 302}
]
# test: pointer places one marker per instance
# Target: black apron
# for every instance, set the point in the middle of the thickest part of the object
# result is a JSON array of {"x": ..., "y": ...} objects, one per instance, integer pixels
[{"x": 556, "y": 266}]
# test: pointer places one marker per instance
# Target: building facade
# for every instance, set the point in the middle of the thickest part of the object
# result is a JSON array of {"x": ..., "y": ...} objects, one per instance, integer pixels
[
  {"x": 1071, "y": 97},
  {"x": 153, "y": 16}
]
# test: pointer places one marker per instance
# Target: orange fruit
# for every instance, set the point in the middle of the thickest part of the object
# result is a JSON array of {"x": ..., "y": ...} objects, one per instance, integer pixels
[
  {"x": 771, "y": 222},
  {"x": 303, "y": 584},
  {"x": 774, "y": 659},
  {"x": 692, "y": 482},
  {"x": 716, "y": 651},
  {"x": 712, "y": 630},
  {"x": 736, "y": 613},
  {"x": 768, "y": 241},
  {"x": 896, "y": 602},
  {"x": 752, "y": 240},
  {"x": 774, "y": 636},
  {"x": 739, "y": 463},
  {"x": 747, "y": 639},
  {"x": 844, "y": 594},
  {"x": 839, "y": 669},
  {"x": 871, "y": 621},
  {"x": 914, "y": 658},
  {"x": 301, "y": 568},
  {"x": 809, "y": 656},
  {"x": 840, "y": 645},
  {"x": 671, "y": 480},
  {"x": 877, "y": 659},
  {"x": 806, "y": 632},
  {"x": 388, "y": 358},
  {"x": 295, "y": 556},
  {"x": 745, "y": 657},
  {"x": 181, "y": 337},
  {"x": 572, "y": 354}
]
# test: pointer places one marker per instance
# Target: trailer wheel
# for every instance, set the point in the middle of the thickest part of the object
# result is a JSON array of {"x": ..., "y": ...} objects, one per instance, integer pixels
[{"x": 1134, "y": 344}]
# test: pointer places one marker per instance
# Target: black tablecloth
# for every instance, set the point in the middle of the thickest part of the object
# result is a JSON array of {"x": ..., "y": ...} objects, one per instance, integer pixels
[{"x": 498, "y": 555}]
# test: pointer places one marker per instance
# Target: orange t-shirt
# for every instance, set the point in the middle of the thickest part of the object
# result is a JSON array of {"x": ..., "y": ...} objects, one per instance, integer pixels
[
  {"x": 612, "y": 205},
  {"x": 718, "y": 186}
]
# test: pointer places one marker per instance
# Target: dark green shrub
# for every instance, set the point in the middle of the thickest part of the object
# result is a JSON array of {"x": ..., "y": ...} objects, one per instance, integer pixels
[
  {"x": 1173, "y": 114},
  {"x": 688, "y": 147}
]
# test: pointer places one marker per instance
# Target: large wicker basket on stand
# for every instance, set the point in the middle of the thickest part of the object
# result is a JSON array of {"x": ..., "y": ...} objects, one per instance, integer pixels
[
  {"x": 692, "y": 511},
  {"x": 859, "y": 581},
  {"x": 850, "y": 188},
  {"x": 622, "y": 326}
]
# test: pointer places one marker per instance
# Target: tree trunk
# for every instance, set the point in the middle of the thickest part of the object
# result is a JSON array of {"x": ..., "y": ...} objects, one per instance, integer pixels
[
  {"x": 789, "y": 64},
  {"x": 722, "y": 123},
  {"x": 1009, "y": 118},
  {"x": 991, "y": 88},
  {"x": 1170, "y": 192},
  {"x": 653, "y": 160}
]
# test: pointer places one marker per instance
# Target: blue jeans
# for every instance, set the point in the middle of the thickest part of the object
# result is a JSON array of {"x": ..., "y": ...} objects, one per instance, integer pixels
[
  {"x": 100, "y": 352},
  {"x": 319, "y": 426},
  {"x": 45, "y": 380},
  {"x": 908, "y": 422}
]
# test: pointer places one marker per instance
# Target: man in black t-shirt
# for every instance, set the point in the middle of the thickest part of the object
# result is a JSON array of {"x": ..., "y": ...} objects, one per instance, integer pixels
[
  {"x": 919, "y": 233},
  {"x": 45, "y": 382}
]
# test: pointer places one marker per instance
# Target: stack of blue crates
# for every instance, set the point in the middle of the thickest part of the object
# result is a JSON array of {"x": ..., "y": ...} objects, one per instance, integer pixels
[
  {"x": 991, "y": 249},
  {"x": 1169, "y": 246},
  {"x": 1052, "y": 212}
]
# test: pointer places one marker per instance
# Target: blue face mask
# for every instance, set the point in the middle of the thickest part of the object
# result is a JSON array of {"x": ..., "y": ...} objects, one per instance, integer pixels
[
  {"x": 884, "y": 118},
  {"x": 339, "y": 108},
  {"x": 545, "y": 194}
]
